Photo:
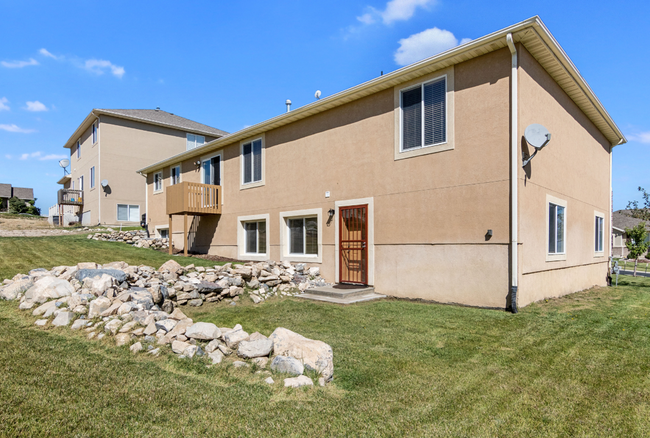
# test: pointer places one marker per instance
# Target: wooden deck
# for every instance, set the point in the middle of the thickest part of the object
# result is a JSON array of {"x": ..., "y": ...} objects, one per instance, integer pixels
[
  {"x": 70, "y": 197},
  {"x": 194, "y": 199}
]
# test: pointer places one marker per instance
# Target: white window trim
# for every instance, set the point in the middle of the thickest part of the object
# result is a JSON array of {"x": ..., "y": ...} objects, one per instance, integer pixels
[
  {"x": 180, "y": 174},
  {"x": 162, "y": 182},
  {"x": 250, "y": 185},
  {"x": 81, "y": 182},
  {"x": 370, "y": 202},
  {"x": 602, "y": 216},
  {"x": 448, "y": 74},
  {"x": 562, "y": 203},
  {"x": 209, "y": 157},
  {"x": 241, "y": 238},
  {"x": 158, "y": 228},
  {"x": 284, "y": 236},
  {"x": 128, "y": 212}
]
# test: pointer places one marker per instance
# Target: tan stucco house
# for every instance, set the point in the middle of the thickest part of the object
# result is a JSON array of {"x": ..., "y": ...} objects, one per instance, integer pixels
[
  {"x": 413, "y": 182},
  {"x": 109, "y": 146}
]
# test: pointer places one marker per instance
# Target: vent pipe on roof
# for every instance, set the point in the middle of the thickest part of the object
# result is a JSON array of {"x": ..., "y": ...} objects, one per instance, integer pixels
[{"x": 288, "y": 102}]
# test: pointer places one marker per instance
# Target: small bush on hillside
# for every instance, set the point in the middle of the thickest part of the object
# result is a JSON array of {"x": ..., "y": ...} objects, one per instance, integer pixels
[{"x": 19, "y": 206}]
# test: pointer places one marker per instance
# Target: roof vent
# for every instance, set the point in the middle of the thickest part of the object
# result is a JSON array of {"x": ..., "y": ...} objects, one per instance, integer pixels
[
  {"x": 288, "y": 103},
  {"x": 157, "y": 108}
]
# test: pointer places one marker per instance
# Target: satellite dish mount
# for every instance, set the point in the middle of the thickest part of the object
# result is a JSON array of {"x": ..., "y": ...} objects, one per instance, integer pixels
[
  {"x": 63, "y": 164},
  {"x": 537, "y": 136}
]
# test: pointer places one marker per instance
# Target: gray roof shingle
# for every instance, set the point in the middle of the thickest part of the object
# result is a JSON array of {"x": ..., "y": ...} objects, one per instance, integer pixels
[
  {"x": 163, "y": 117},
  {"x": 622, "y": 219},
  {"x": 5, "y": 190},
  {"x": 23, "y": 193}
]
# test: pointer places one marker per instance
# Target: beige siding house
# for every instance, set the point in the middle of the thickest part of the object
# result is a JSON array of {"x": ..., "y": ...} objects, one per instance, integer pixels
[
  {"x": 413, "y": 182},
  {"x": 109, "y": 146}
]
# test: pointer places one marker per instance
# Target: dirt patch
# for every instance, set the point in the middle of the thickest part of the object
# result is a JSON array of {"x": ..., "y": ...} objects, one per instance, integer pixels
[
  {"x": 10, "y": 222},
  {"x": 212, "y": 258}
]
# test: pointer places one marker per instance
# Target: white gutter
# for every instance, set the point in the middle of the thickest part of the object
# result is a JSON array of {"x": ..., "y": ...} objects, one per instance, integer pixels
[{"x": 514, "y": 169}]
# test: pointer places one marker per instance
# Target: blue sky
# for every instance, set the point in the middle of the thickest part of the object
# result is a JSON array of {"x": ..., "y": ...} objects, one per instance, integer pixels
[{"x": 233, "y": 64}]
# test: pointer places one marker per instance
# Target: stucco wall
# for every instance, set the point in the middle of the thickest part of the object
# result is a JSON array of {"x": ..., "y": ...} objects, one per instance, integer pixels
[
  {"x": 81, "y": 166},
  {"x": 573, "y": 167},
  {"x": 433, "y": 210}
]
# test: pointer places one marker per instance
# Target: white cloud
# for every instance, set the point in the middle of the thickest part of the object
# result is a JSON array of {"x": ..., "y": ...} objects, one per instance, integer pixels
[
  {"x": 642, "y": 137},
  {"x": 45, "y": 52},
  {"x": 3, "y": 104},
  {"x": 100, "y": 66},
  {"x": 14, "y": 128},
  {"x": 35, "y": 106},
  {"x": 39, "y": 156},
  {"x": 396, "y": 10},
  {"x": 8, "y": 157},
  {"x": 19, "y": 64},
  {"x": 424, "y": 44}
]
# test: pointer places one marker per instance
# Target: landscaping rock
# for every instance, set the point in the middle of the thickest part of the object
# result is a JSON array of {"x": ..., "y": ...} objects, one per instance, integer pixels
[
  {"x": 98, "y": 306},
  {"x": 204, "y": 331},
  {"x": 255, "y": 348},
  {"x": 179, "y": 347},
  {"x": 16, "y": 288},
  {"x": 261, "y": 362},
  {"x": 135, "y": 348},
  {"x": 269, "y": 380},
  {"x": 113, "y": 326},
  {"x": 41, "y": 322},
  {"x": 49, "y": 306},
  {"x": 181, "y": 327},
  {"x": 234, "y": 337},
  {"x": 288, "y": 365},
  {"x": 315, "y": 355},
  {"x": 193, "y": 350},
  {"x": 298, "y": 382},
  {"x": 216, "y": 357},
  {"x": 172, "y": 266},
  {"x": 78, "y": 324},
  {"x": 48, "y": 288},
  {"x": 122, "y": 339},
  {"x": 118, "y": 275},
  {"x": 195, "y": 303},
  {"x": 63, "y": 319},
  {"x": 166, "y": 324}
]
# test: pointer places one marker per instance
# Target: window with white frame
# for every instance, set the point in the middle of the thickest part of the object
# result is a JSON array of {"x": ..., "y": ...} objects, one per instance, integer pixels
[
  {"x": 252, "y": 161},
  {"x": 303, "y": 236},
  {"x": 157, "y": 182},
  {"x": 194, "y": 141},
  {"x": 599, "y": 237},
  {"x": 255, "y": 237},
  {"x": 81, "y": 182},
  {"x": 128, "y": 213},
  {"x": 424, "y": 115},
  {"x": 95, "y": 132},
  {"x": 78, "y": 149},
  {"x": 176, "y": 175},
  {"x": 163, "y": 233},
  {"x": 92, "y": 177},
  {"x": 556, "y": 228}
]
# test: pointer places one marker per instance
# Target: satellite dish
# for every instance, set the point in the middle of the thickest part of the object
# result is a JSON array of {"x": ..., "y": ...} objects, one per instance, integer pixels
[
  {"x": 317, "y": 94},
  {"x": 64, "y": 163},
  {"x": 537, "y": 135},
  {"x": 104, "y": 182}
]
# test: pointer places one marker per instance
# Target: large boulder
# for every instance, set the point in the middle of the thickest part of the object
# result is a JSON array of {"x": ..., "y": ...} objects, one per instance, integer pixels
[
  {"x": 12, "y": 291},
  {"x": 47, "y": 288},
  {"x": 63, "y": 319},
  {"x": 117, "y": 274},
  {"x": 234, "y": 337},
  {"x": 315, "y": 355},
  {"x": 255, "y": 348},
  {"x": 171, "y": 266},
  {"x": 205, "y": 331},
  {"x": 287, "y": 365},
  {"x": 206, "y": 287},
  {"x": 142, "y": 296},
  {"x": 98, "y": 306}
]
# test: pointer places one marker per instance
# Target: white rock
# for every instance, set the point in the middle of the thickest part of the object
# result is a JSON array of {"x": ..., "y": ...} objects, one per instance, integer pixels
[
  {"x": 136, "y": 347},
  {"x": 166, "y": 324},
  {"x": 216, "y": 356},
  {"x": 193, "y": 350},
  {"x": 256, "y": 348},
  {"x": 314, "y": 271},
  {"x": 212, "y": 346},
  {"x": 122, "y": 339},
  {"x": 48, "y": 288},
  {"x": 297, "y": 382},
  {"x": 234, "y": 337},
  {"x": 288, "y": 365},
  {"x": 40, "y": 310},
  {"x": 203, "y": 330},
  {"x": 315, "y": 355},
  {"x": 41, "y": 322},
  {"x": 126, "y": 308},
  {"x": 98, "y": 306},
  {"x": 63, "y": 319},
  {"x": 101, "y": 285},
  {"x": 78, "y": 324},
  {"x": 113, "y": 326},
  {"x": 269, "y": 380},
  {"x": 179, "y": 347},
  {"x": 12, "y": 291},
  {"x": 128, "y": 326}
]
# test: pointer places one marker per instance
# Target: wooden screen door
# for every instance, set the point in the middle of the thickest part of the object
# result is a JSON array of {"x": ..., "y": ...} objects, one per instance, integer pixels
[{"x": 353, "y": 244}]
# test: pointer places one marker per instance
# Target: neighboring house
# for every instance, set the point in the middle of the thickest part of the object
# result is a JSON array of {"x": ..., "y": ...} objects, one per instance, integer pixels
[
  {"x": 621, "y": 220},
  {"x": 413, "y": 182},
  {"x": 7, "y": 192},
  {"x": 110, "y": 145}
]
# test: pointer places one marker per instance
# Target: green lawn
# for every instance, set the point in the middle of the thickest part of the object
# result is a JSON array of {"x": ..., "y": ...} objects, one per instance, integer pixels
[
  {"x": 20, "y": 254},
  {"x": 575, "y": 366}
]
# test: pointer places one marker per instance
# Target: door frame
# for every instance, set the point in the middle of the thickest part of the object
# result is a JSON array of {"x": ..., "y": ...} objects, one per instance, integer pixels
[{"x": 371, "y": 236}]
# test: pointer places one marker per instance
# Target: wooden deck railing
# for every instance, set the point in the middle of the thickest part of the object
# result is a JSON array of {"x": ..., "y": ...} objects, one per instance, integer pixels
[
  {"x": 193, "y": 198},
  {"x": 70, "y": 197}
]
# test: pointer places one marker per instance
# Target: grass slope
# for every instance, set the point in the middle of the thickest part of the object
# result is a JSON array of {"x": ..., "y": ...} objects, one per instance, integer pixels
[
  {"x": 20, "y": 254},
  {"x": 575, "y": 366}
]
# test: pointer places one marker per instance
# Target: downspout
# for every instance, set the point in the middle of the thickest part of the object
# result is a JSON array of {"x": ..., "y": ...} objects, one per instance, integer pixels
[
  {"x": 514, "y": 169},
  {"x": 146, "y": 204},
  {"x": 98, "y": 177}
]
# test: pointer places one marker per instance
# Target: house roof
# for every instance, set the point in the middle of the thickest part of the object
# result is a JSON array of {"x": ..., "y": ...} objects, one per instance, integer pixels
[
  {"x": 23, "y": 193},
  {"x": 5, "y": 190},
  {"x": 532, "y": 33},
  {"x": 621, "y": 219},
  {"x": 156, "y": 117}
]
